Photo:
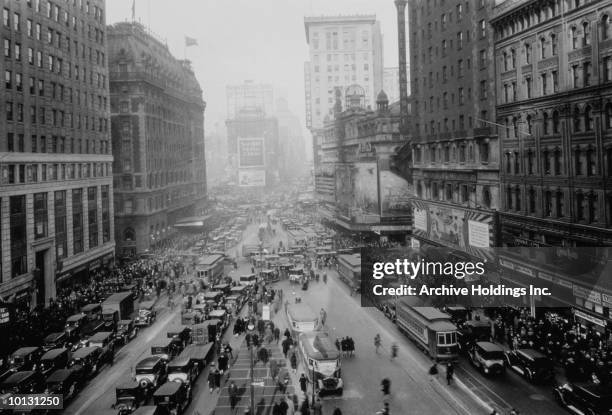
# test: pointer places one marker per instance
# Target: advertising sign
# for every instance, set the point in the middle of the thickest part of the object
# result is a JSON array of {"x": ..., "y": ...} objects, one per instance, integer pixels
[
  {"x": 395, "y": 194},
  {"x": 251, "y": 178},
  {"x": 265, "y": 313},
  {"x": 420, "y": 219},
  {"x": 357, "y": 189},
  {"x": 251, "y": 152}
]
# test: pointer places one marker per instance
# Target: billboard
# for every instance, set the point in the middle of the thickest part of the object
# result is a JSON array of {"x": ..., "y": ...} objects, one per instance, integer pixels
[
  {"x": 357, "y": 189},
  {"x": 251, "y": 152},
  {"x": 251, "y": 178},
  {"x": 395, "y": 194}
]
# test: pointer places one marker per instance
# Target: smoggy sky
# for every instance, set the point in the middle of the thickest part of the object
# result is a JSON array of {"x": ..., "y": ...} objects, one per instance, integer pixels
[{"x": 262, "y": 40}]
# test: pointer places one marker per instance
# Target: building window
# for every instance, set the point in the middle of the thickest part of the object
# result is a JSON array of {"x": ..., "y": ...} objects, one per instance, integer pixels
[
  {"x": 92, "y": 215},
  {"x": 586, "y": 73},
  {"x": 106, "y": 222},
  {"x": 532, "y": 200},
  {"x": 77, "y": 220},
  {"x": 580, "y": 208},
  {"x": 553, "y": 45},
  {"x": 527, "y": 53},
  {"x": 41, "y": 217},
  {"x": 605, "y": 27},
  {"x": 61, "y": 240},
  {"x": 577, "y": 162},
  {"x": 528, "y": 85},
  {"x": 591, "y": 165},
  {"x": 557, "y": 161},
  {"x": 559, "y": 204},
  {"x": 483, "y": 28},
  {"x": 586, "y": 38},
  {"x": 574, "y": 35},
  {"x": 18, "y": 241},
  {"x": 588, "y": 118},
  {"x": 544, "y": 84},
  {"x": 486, "y": 196},
  {"x": 548, "y": 211},
  {"x": 509, "y": 198},
  {"x": 593, "y": 204}
]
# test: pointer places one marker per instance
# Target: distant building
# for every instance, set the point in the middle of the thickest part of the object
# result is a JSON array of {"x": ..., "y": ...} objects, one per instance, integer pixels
[
  {"x": 292, "y": 148},
  {"x": 344, "y": 51},
  {"x": 249, "y": 96},
  {"x": 158, "y": 138},
  {"x": 391, "y": 83},
  {"x": 55, "y": 150},
  {"x": 217, "y": 170}
]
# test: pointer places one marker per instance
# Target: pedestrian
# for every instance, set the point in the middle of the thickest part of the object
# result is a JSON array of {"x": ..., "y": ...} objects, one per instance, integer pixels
[
  {"x": 233, "y": 393},
  {"x": 317, "y": 408},
  {"x": 273, "y": 369},
  {"x": 284, "y": 406},
  {"x": 304, "y": 408},
  {"x": 394, "y": 350},
  {"x": 222, "y": 362},
  {"x": 276, "y": 409},
  {"x": 303, "y": 383},
  {"x": 449, "y": 373},
  {"x": 217, "y": 379},
  {"x": 211, "y": 378},
  {"x": 285, "y": 344},
  {"x": 386, "y": 386},
  {"x": 377, "y": 342},
  {"x": 294, "y": 362},
  {"x": 277, "y": 334},
  {"x": 337, "y": 411}
]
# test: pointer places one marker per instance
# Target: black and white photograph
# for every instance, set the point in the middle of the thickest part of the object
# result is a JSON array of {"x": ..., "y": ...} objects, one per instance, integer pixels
[{"x": 306, "y": 207}]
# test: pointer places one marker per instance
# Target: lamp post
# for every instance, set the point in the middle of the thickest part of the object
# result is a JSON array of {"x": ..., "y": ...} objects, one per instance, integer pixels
[{"x": 251, "y": 328}]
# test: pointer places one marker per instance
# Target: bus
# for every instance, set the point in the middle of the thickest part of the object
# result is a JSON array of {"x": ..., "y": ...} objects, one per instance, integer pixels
[
  {"x": 431, "y": 330},
  {"x": 320, "y": 355},
  {"x": 301, "y": 318}
]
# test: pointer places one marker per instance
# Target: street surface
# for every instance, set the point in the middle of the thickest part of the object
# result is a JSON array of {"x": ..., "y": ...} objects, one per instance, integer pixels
[{"x": 411, "y": 385}]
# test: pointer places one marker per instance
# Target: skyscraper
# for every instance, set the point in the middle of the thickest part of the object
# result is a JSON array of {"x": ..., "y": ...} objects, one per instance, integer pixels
[{"x": 56, "y": 183}]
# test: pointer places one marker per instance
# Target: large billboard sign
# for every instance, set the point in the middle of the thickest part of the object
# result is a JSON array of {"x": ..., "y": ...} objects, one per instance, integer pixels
[
  {"x": 458, "y": 228},
  {"x": 395, "y": 194},
  {"x": 357, "y": 188},
  {"x": 251, "y": 178},
  {"x": 251, "y": 152}
]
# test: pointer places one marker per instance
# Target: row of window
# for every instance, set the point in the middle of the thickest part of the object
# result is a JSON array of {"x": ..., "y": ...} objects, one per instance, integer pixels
[
  {"x": 55, "y": 144},
  {"x": 54, "y": 117},
  {"x": 54, "y": 37},
  {"x": 461, "y": 153},
  {"x": 347, "y": 68},
  {"x": 35, "y": 173},
  {"x": 57, "y": 91},
  {"x": 349, "y": 39},
  {"x": 18, "y": 223},
  {"x": 586, "y": 203},
  {"x": 454, "y": 193},
  {"x": 584, "y": 162},
  {"x": 451, "y": 125}
]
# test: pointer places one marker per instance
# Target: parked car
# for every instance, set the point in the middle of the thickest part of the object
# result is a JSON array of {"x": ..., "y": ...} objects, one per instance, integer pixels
[
  {"x": 128, "y": 397},
  {"x": 105, "y": 341},
  {"x": 52, "y": 360},
  {"x": 531, "y": 364},
  {"x": 74, "y": 325},
  {"x": 146, "y": 314},
  {"x": 88, "y": 360},
  {"x": 584, "y": 398},
  {"x": 167, "y": 348},
  {"x": 126, "y": 331},
  {"x": 65, "y": 382},
  {"x": 183, "y": 333},
  {"x": 182, "y": 369},
  {"x": 56, "y": 340},
  {"x": 487, "y": 357},
  {"x": 25, "y": 358},
  {"x": 111, "y": 318},
  {"x": 27, "y": 381},
  {"x": 151, "y": 372},
  {"x": 174, "y": 396}
]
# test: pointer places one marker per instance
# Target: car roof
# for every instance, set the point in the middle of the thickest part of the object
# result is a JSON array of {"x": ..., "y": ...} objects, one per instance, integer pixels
[
  {"x": 489, "y": 347},
  {"x": 18, "y": 377},
  {"x": 531, "y": 354},
  {"x": 53, "y": 353},
  {"x": 148, "y": 362},
  {"x": 125, "y": 321},
  {"x": 55, "y": 336},
  {"x": 59, "y": 375},
  {"x": 179, "y": 361},
  {"x": 90, "y": 307},
  {"x": 168, "y": 388},
  {"x": 25, "y": 351},
  {"x": 75, "y": 317},
  {"x": 128, "y": 385},
  {"x": 101, "y": 335},
  {"x": 84, "y": 351}
]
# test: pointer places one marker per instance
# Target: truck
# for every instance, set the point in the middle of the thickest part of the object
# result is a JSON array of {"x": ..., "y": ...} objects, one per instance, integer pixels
[{"x": 122, "y": 302}]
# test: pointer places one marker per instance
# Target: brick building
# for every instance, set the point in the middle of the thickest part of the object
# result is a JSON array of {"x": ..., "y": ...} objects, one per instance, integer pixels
[{"x": 157, "y": 122}]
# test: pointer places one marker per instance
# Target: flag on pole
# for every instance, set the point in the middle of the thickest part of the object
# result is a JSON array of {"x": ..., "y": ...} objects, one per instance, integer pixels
[
  {"x": 133, "y": 10},
  {"x": 189, "y": 41}
]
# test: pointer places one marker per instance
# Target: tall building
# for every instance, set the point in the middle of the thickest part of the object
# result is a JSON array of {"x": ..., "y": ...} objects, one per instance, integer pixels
[
  {"x": 157, "y": 119},
  {"x": 453, "y": 146},
  {"x": 249, "y": 96},
  {"x": 553, "y": 64},
  {"x": 56, "y": 200},
  {"x": 290, "y": 142},
  {"x": 216, "y": 155},
  {"x": 391, "y": 83},
  {"x": 344, "y": 51}
]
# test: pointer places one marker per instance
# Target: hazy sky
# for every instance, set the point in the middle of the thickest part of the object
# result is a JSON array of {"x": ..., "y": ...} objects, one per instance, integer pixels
[{"x": 262, "y": 40}]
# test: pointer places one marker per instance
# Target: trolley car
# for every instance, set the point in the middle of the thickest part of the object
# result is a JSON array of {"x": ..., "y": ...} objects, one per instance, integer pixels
[
  {"x": 301, "y": 318},
  {"x": 431, "y": 329}
]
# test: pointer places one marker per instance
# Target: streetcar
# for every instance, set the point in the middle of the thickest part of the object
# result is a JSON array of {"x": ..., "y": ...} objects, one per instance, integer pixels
[
  {"x": 431, "y": 330},
  {"x": 320, "y": 355},
  {"x": 301, "y": 318}
]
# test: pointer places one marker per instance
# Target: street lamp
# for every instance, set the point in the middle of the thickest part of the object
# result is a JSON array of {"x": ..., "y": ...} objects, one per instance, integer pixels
[{"x": 251, "y": 328}]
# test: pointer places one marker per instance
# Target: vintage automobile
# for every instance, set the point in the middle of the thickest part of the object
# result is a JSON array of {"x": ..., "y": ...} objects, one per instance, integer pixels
[
  {"x": 74, "y": 325},
  {"x": 207, "y": 331},
  {"x": 220, "y": 315},
  {"x": 52, "y": 360},
  {"x": 182, "y": 333},
  {"x": 128, "y": 397},
  {"x": 584, "y": 398},
  {"x": 58, "y": 340},
  {"x": 24, "y": 358},
  {"x": 105, "y": 341},
  {"x": 110, "y": 318},
  {"x": 27, "y": 381},
  {"x": 65, "y": 382},
  {"x": 126, "y": 331},
  {"x": 175, "y": 396},
  {"x": 472, "y": 331},
  {"x": 531, "y": 364},
  {"x": 190, "y": 318},
  {"x": 146, "y": 314},
  {"x": 167, "y": 348},
  {"x": 151, "y": 372},
  {"x": 92, "y": 311},
  {"x": 487, "y": 357},
  {"x": 199, "y": 354},
  {"x": 88, "y": 360},
  {"x": 182, "y": 369}
]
